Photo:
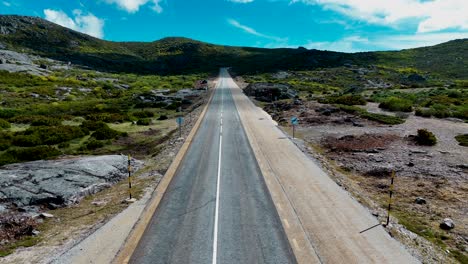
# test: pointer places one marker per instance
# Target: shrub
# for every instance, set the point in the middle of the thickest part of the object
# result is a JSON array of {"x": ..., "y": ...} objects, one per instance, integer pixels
[
  {"x": 7, "y": 113},
  {"x": 93, "y": 125},
  {"x": 106, "y": 132},
  {"x": 144, "y": 122},
  {"x": 28, "y": 154},
  {"x": 440, "y": 111},
  {"x": 4, "y": 145},
  {"x": 46, "y": 121},
  {"x": 381, "y": 118},
  {"x": 143, "y": 114},
  {"x": 36, "y": 120},
  {"x": 35, "y": 136},
  {"x": 384, "y": 119},
  {"x": 396, "y": 104},
  {"x": 348, "y": 99},
  {"x": 163, "y": 117},
  {"x": 423, "y": 112},
  {"x": 462, "y": 140},
  {"x": 94, "y": 144},
  {"x": 108, "y": 117},
  {"x": 425, "y": 138},
  {"x": 64, "y": 145},
  {"x": 4, "y": 124}
]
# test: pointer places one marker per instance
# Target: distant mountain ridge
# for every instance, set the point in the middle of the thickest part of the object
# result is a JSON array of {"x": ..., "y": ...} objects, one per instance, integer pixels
[{"x": 182, "y": 55}]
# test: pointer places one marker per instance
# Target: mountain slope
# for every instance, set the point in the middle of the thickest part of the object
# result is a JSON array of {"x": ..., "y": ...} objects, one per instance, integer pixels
[{"x": 182, "y": 55}]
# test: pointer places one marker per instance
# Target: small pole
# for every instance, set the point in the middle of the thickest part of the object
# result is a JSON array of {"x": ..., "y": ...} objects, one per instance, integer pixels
[
  {"x": 129, "y": 177},
  {"x": 390, "y": 200},
  {"x": 180, "y": 130},
  {"x": 294, "y": 131}
]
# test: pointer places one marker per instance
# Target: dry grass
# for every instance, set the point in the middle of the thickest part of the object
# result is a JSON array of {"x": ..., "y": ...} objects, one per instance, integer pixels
[{"x": 364, "y": 142}]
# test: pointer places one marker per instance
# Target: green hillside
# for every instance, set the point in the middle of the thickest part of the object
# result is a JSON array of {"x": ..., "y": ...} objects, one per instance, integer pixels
[{"x": 182, "y": 55}]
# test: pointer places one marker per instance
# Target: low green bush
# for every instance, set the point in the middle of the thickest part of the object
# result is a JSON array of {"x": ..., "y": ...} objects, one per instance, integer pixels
[
  {"x": 92, "y": 125},
  {"x": 440, "y": 111},
  {"x": 46, "y": 121},
  {"x": 35, "y": 136},
  {"x": 163, "y": 117},
  {"x": 93, "y": 144},
  {"x": 426, "y": 138},
  {"x": 423, "y": 112},
  {"x": 36, "y": 120},
  {"x": 108, "y": 117},
  {"x": 4, "y": 145},
  {"x": 143, "y": 114},
  {"x": 462, "y": 140},
  {"x": 28, "y": 154},
  {"x": 396, "y": 104},
  {"x": 4, "y": 124},
  {"x": 347, "y": 99},
  {"x": 63, "y": 145},
  {"x": 383, "y": 119},
  {"x": 7, "y": 113},
  {"x": 106, "y": 132},
  {"x": 144, "y": 122}
]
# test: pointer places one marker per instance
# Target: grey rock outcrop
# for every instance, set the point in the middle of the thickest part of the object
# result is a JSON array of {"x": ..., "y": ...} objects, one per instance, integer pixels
[
  {"x": 268, "y": 92},
  {"x": 56, "y": 183}
]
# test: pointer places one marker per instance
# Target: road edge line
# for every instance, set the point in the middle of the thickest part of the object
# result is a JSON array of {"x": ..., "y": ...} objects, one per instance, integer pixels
[{"x": 126, "y": 251}]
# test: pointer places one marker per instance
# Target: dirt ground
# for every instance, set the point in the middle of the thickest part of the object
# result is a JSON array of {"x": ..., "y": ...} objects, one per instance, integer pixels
[{"x": 365, "y": 153}]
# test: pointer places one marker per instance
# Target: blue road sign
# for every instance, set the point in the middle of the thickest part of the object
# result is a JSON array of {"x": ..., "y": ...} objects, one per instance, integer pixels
[
  {"x": 294, "y": 121},
  {"x": 180, "y": 120}
]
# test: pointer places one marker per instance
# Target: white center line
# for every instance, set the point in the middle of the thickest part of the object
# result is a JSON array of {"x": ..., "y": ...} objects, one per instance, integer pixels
[{"x": 215, "y": 233}]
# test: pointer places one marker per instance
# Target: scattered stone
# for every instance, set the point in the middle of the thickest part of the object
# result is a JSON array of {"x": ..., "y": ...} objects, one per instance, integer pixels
[
  {"x": 35, "y": 233},
  {"x": 46, "y": 215},
  {"x": 128, "y": 200},
  {"x": 375, "y": 213},
  {"x": 99, "y": 203},
  {"x": 420, "y": 200},
  {"x": 447, "y": 224},
  {"x": 410, "y": 164}
]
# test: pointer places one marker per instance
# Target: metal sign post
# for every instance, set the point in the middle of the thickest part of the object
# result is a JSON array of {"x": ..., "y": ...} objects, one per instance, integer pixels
[
  {"x": 294, "y": 122},
  {"x": 390, "y": 199},
  {"x": 180, "y": 120},
  {"x": 129, "y": 177}
]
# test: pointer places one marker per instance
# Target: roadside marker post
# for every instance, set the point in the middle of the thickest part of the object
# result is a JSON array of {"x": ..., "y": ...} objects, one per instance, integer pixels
[
  {"x": 180, "y": 121},
  {"x": 390, "y": 199},
  {"x": 129, "y": 177},
  {"x": 294, "y": 122}
]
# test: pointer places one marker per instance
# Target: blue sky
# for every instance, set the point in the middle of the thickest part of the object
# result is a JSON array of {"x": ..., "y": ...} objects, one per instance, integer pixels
[{"x": 340, "y": 25}]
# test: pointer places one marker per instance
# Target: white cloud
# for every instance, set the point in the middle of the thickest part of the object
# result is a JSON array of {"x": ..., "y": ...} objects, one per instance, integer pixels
[
  {"x": 241, "y": 1},
  {"x": 252, "y": 31},
  {"x": 5, "y": 3},
  {"x": 88, "y": 24},
  {"x": 133, "y": 6},
  {"x": 431, "y": 15},
  {"x": 357, "y": 43}
]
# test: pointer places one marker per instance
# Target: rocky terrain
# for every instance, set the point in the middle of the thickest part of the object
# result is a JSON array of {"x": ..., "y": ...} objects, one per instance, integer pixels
[
  {"x": 57, "y": 183},
  {"x": 12, "y": 61},
  {"x": 361, "y": 144}
]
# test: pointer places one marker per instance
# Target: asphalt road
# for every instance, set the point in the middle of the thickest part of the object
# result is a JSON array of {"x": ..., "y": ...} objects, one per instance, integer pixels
[{"x": 217, "y": 209}]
